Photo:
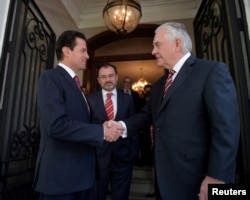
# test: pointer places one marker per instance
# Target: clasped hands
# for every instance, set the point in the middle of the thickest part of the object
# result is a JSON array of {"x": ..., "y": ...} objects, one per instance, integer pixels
[{"x": 112, "y": 130}]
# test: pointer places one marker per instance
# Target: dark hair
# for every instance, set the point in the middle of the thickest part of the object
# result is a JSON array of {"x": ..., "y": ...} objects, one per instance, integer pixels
[
  {"x": 127, "y": 77},
  {"x": 105, "y": 65},
  {"x": 148, "y": 86},
  {"x": 67, "y": 39}
]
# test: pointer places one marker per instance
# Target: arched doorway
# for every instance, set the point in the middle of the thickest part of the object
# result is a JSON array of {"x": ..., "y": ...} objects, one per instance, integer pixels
[{"x": 121, "y": 48}]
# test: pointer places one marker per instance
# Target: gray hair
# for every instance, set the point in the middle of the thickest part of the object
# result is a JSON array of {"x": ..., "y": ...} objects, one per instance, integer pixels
[{"x": 176, "y": 30}]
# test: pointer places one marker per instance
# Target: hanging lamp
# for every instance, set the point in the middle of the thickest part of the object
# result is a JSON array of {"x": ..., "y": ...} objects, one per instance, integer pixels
[{"x": 122, "y": 16}]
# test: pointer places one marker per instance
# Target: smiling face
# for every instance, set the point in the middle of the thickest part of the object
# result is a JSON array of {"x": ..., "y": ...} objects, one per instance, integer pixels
[
  {"x": 77, "y": 57},
  {"x": 167, "y": 52},
  {"x": 107, "y": 78}
]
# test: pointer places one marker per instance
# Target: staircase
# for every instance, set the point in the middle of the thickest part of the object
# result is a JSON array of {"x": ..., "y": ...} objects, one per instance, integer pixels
[{"x": 141, "y": 184}]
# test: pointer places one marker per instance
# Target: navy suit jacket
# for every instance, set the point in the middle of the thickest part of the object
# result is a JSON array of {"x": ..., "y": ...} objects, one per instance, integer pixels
[
  {"x": 66, "y": 161},
  {"x": 196, "y": 128},
  {"x": 139, "y": 102},
  {"x": 124, "y": 149}
]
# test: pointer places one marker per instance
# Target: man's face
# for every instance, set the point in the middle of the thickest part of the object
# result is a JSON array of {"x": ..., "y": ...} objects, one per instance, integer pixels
[
  {"x": 127, "y": 83},
  {"x": 78, "y": 57},
  {"x": 164, "y": 50},
  {"x": 107, "y": 78}
]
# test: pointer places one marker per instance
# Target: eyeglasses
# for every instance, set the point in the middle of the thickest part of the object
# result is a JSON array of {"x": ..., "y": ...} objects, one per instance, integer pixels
[{"x": 110, "y": 76}]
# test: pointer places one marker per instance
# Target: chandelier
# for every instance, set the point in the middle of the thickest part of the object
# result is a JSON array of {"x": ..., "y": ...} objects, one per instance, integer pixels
[
  {"x": 122, "y": 16},
  {"x": 139, "y": 85}
]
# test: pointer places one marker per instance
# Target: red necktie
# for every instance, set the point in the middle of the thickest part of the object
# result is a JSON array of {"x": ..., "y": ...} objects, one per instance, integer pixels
[
  {"x": 109, "y": 106},
  {"x": 168, "y": 81},
  {"x": 76, "y": 79}
]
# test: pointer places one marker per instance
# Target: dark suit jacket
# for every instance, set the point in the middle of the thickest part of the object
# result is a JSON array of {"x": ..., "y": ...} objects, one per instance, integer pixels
[
  {"x": 139, "y": 102},
  {"x": 196, "y": 128},
  {"x": 123, "y": 149},
  {"x": 66, "y": 158}
]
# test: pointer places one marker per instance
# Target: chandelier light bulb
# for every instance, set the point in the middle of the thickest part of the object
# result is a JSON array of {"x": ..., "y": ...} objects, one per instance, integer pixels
[{"x": 122, "y": 16}]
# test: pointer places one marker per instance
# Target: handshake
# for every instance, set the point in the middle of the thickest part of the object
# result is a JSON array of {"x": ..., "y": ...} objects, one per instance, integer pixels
[{"x": 112, "y": 130}]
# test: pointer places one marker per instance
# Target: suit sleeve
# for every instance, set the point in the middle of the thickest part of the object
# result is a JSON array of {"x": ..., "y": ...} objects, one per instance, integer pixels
[
  {"x": 135, "y": 139},
  {"x": 137, "y": 122},
  {"x": 61, "y": 111},
  {"x": 221, "y": 102}
]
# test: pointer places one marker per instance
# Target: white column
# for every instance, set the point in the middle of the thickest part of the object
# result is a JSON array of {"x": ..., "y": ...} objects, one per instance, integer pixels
[
  {"x": 247, "y": 10},
  {"x": 4, "y": 12}
]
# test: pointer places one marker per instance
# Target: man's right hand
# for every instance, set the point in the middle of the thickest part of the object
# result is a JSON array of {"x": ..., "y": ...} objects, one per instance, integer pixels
[{"x": 112, "y": 130}]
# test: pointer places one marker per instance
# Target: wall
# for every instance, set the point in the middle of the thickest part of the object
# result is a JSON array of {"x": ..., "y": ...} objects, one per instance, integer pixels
[
  {"x": 60, "y": 20},
  {"x": 135, "y": 46}
]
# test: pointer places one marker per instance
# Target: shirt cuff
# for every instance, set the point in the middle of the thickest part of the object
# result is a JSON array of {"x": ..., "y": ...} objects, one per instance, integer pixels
[{"x": 124, "y": 133}]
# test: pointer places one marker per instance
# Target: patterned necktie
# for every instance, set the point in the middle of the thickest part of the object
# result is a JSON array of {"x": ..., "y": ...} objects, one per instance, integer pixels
[
  {"x": 76, "y": 79},
  {"x": 109, "y": 106},
  {"x": 168, "y": 81}
]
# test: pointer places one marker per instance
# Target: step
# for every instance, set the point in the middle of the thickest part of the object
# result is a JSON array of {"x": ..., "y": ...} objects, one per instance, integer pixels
[
  {"x": 141, "y": 180},
  {"x": 137, "y": 196},
  {"x": 141, "y": 183},
  {"x": 142, "y": 172},
  {"x": 141, "y": 186}
]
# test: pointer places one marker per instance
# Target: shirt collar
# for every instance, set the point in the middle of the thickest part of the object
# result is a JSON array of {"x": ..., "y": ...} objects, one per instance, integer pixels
[
  {"x": 180, "y": 63},
  {"x": 70, "y": 71},
  {"x": 104, "y": 92}
]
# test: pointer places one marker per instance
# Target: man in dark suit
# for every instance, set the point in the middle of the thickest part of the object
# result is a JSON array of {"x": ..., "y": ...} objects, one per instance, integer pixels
[
  {"x": 66, "y": 162},
  {"x": 115, "y": 160},
  {"x": 127, "y": 88},
  {"x": 196, "y": 123},
  {"x": 144, "y": 140}
]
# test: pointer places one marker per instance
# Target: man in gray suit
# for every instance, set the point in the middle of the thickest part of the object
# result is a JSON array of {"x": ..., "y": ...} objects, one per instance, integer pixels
[{"x": 195, "y": 119}]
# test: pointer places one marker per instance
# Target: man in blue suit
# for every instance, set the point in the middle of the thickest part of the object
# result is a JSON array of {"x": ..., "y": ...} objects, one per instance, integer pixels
[
  {"x": 115, "y": 160},
  {"x": 66, "y": 162},
  {"x": 196, "y": 123}
]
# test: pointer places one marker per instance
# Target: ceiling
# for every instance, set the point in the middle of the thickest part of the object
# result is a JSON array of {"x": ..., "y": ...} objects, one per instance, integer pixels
[{"x": 88, "y": 13}]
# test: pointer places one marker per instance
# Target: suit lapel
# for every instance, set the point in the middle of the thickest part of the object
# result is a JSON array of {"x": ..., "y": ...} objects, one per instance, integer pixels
[
  {"x": 178, "y": 81},
  {"x": 68, "y": 78},
  {"x": 71, "y": 83},
  {"x": 100, "y": 102},
  {"x": 120, "y": 103}
]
